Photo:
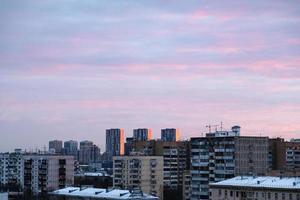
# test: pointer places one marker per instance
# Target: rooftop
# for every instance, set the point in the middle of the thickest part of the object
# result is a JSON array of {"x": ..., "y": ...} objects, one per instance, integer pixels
[
  {"x": 261, "y": 182},
  {"x": 99, "y": 193}
]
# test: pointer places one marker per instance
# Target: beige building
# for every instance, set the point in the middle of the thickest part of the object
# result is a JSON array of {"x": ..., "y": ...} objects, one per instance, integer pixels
[
  {"x": 256, "y": 188},
  {"x": 144, "y": 172},
  {"x": 48, "y": 172}
]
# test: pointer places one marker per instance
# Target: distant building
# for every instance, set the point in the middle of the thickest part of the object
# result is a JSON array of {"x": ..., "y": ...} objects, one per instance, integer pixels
[
  {"x": 12, "y": 170},
  {"x": 71, "y": 148},
  {"x": 128, "y": 146},
  {"x": 78, "y": 193},
  {"x": 56, "y": 146},
  {"x": 142, "y": 134},
  {"x": 222, "y": 155},
  {"x": 145, "y": 172},
  {"x": 114, "y": 142},
  {"x": 89, "y": 152},
  {"x": 170, "y": 135},
  {"x": 44, "y": 173},
  {"x": 258, "y": 188}
]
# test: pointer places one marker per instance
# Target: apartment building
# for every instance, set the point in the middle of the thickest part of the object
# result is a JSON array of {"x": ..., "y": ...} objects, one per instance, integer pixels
[
  {"x": 284, "y": 157},
  {"x": 170, "y": 135},
  {"x": 114, "y": 142},
  {"x": 258, "y": 188},
  {"x": 47, "y": 172},
  {"x": 56, "y": 146},
  {"x": 144, "y": 172},
  {"x": 142, "y": 134},
  {"x": 71, "y": 148},
  {"x": 88, "y": 152},
  {"x": 11, "y": 169},
  {"x": 176, "y": 161},
  {"x": 222, "y": 155}
]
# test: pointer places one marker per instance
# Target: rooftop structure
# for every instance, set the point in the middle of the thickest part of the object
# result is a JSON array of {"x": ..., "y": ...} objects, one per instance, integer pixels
[
  {"x": 261, "y": 182},
  {"x": 97, "y": 193},
  {"x": 259, "y": 188}
]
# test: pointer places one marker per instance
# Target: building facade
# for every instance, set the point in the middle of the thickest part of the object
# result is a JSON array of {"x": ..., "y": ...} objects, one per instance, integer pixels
[
  {"x": 56, "y": 146},
  {"x": 222, "y": 155},
  {"x": 170, "y": 135},
  {"x": 44, "y": 173},
  {"x": 88, "y": 152},
  {"x": 114, "y": 142},
  {"x": 11, "y": 170},
  {"x": 176, "y": 157},
  {"x": 258, "y": 188},
  {"x": 142, "y": 134},
  {"x": 144, "y": 172},
  {"x": 71, "y": 148}
]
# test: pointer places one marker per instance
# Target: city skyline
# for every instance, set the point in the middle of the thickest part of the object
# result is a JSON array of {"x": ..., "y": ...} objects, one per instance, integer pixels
[{"x": 72, "y": 69}]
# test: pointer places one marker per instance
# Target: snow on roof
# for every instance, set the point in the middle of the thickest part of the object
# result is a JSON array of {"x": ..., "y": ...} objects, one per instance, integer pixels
[
  {"x": 101, "y": 193},
  {"x": 261, "y": 182}
]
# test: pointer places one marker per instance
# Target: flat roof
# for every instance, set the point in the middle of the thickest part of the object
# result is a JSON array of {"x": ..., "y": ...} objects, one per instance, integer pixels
[
  {"x": 270, "y": 182},
  {"x": 101, "y": 193}
]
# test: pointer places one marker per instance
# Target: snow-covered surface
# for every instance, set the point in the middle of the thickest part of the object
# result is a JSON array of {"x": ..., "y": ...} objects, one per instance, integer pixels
[
  {"x": 101, "y": 193},
  {"x": 261, "y": 182}
]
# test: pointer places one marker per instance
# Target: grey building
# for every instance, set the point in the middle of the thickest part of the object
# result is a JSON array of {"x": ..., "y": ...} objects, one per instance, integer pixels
[
  {"x": 11, "y": 169},
  {"x": 89, "y": 152},
  {"x": 222, "y": 155},
  {"x": 142, "y": 134},
  {"x": 170, "y": 135},
  {"x": 44, "y": 173},
  {"x": 56, "y": 146},
  {"x": 71, "y": 148},
  {"x": 114, "y": 142}
]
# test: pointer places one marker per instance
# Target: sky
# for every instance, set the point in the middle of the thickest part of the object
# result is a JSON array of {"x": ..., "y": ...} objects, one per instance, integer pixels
[{"x": 71, "y": 69}]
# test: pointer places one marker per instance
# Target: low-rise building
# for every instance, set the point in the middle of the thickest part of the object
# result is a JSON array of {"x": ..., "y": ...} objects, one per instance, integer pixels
[
  {"x": 77, "y": 193},
  {"x": 258, "y": 188}
]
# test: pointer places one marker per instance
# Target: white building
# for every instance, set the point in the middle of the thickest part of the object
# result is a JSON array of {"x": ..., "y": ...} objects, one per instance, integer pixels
[
  {"x": 11, "y": 169},
  {"x": 258, "y": 188},
  {"x": 76, "y": 193}
]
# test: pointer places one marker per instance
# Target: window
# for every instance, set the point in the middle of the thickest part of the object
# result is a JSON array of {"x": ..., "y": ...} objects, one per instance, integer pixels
[
  {"x": 220, "y": 192},
  {"x": 231, "y": 193},
  {"x": 269, "y": 195},
  {"x": 276, "y": 196},
  {"x": 237, "y": 194},
  {"x": 283, "y": 196}
]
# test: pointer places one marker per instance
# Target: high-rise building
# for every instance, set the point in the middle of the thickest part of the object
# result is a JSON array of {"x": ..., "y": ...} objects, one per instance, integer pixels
[
  {"x": 71, "y": 148},
  {"x": 114, "y": 142},
  {"x": 176, "y": 156},
  {"x": 44, "y": 173},
  {"x": 142, "y": 134},
  {"x": 145, "y": 172},
  {"x": 11, "y": 170},
  {"x": 56, "y": 146},
  {"x": 88, "y": 152},
  {"x": 170, "y": 135},
  {"x": 222, "y": 155}
]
